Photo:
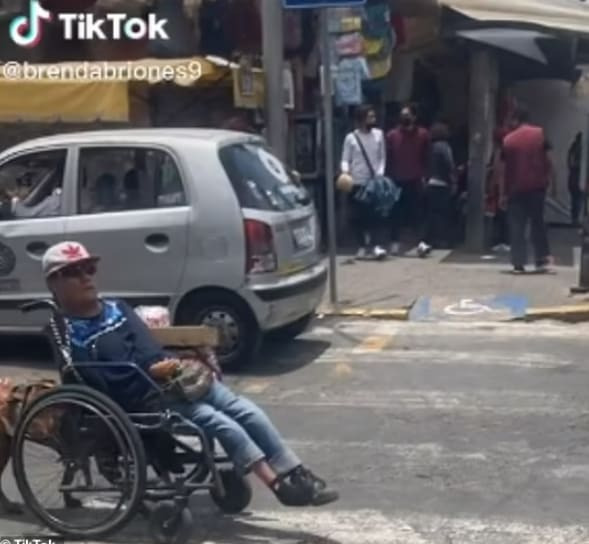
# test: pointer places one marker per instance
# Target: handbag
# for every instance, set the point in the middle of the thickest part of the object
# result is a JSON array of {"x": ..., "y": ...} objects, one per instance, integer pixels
[
  {"x": 191, "y": 383},
  {"x": 379, "y": 192}
]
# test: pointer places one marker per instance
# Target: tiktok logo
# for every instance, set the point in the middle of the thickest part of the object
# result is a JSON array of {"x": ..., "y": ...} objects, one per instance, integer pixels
[{"x": 27, "y": 31}]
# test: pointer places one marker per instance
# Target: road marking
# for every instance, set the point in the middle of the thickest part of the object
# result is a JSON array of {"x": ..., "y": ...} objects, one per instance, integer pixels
[
  {"x": 443, "y": 357},
  {"x": 251, "y": 387},
  {"x": 474, "y": 329},
  {"x": 478, "y": 404},
  {"x": 376, "y": 527},
  {"x": 374, "y": 344},
  {"x": 468, "y": 307}
]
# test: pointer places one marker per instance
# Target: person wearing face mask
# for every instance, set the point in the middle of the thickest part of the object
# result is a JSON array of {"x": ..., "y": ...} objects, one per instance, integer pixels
[
  {"x": 363, "y": 158},
  {"x": 407, "y": 159}
]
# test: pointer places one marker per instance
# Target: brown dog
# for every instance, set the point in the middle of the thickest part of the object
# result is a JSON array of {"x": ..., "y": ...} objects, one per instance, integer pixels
[{"x": 14, "y": 399}]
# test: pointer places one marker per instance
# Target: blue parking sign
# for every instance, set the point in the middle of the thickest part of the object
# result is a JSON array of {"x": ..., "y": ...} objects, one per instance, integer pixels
[{"x": 310, "y": 4}]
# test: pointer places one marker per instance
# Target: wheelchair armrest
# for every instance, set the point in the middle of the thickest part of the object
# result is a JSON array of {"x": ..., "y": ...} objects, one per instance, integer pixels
[{"x": 123, "y": 364}]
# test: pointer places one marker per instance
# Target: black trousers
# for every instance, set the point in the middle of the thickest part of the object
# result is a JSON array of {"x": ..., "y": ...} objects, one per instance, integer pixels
[
  {"x": 438, "y": 212},
  {"x": 528, "y": 209},
  {"x": 370, "y": 230},
  {"x": 408, "y": 212}
]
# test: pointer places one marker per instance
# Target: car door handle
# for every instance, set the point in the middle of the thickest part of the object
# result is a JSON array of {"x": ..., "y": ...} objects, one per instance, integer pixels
[
  {"x": 37, "y": 249},
  {"x": 157, "y": 242}
]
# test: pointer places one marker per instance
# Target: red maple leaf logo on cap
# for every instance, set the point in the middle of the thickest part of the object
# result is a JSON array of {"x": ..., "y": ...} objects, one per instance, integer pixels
[{"x": 72, "y": 252}]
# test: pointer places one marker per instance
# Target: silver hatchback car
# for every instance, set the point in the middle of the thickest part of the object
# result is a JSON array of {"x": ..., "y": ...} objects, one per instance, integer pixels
[{"x": 207, "y": 223}]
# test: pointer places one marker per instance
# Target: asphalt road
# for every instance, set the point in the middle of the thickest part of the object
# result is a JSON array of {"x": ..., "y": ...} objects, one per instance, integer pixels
[{"x": 434, "y": 434}]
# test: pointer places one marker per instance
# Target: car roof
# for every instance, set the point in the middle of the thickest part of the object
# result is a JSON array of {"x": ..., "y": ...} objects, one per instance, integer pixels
[{"x": 202, "y": 137}]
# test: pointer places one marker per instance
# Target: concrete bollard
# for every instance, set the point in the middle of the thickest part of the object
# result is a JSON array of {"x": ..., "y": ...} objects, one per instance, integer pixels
[{"x": 583, "y": 286}]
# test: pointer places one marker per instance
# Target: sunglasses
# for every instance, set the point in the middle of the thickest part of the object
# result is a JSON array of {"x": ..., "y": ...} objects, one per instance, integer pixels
[{"x": 78, "y": 270}]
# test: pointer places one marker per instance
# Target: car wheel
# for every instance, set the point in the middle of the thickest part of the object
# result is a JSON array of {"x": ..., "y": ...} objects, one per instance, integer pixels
[
  {"x": 239, "y": 334},
  {"x": 292, "y": 330}
]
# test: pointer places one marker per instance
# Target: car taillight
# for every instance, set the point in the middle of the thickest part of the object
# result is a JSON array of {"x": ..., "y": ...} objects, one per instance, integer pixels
[{"x": 261, "y": 257}]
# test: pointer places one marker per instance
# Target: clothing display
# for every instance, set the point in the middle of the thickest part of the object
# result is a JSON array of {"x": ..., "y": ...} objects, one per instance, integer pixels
[{"x": 350, "y": 75}]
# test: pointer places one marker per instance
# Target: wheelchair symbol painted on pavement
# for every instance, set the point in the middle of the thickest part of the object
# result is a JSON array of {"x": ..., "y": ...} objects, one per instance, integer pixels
[{"x": 467, "y": 307}]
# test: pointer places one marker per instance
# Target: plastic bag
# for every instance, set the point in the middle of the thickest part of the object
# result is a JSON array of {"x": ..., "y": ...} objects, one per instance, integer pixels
[{"x": 155, "y": 317}]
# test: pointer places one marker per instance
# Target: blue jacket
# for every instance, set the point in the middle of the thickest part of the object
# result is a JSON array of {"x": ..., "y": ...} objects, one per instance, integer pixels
[{"x": 117, "y": 335}]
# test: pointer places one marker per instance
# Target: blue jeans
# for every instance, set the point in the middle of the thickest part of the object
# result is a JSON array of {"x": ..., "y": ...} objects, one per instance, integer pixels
[{"x": 243, "y": 429}]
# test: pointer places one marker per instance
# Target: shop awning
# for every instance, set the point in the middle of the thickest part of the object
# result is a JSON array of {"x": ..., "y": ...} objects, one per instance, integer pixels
[
  {"x": 569, "y": 15},
  {"x": 79, "y": 92}
]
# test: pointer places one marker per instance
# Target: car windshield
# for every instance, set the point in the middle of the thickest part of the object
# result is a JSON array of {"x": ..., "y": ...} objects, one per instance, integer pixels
[{"x": 260, "y": 180}]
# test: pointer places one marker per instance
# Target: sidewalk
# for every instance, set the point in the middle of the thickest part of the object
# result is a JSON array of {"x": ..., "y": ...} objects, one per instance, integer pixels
[{"x": 399, "y": 282}]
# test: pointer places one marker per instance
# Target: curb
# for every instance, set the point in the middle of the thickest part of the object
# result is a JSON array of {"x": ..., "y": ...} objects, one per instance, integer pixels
[{"x": 568, "y": 314}]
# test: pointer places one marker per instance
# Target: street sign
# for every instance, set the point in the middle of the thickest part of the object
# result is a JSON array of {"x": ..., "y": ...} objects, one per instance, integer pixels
[
  {"x": 317, "y": 4},
  {"x": 480, "y": 308}
]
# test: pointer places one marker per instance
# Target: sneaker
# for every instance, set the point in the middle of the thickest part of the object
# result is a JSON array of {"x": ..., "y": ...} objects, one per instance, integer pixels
[
  {"x": 321, "y": 494},
  {"x": 423, "y": 250},
  {"x": 519, "y": 270},
  {"x": 292, "y": 495},
  {"x": 361, "y": 254},
  {"x": 379, "y": 253},
  {"x": 395, "y": 249}
]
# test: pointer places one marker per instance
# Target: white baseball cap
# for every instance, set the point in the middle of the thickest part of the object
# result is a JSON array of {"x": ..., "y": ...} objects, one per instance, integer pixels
[{"x": 65, "y": 254}]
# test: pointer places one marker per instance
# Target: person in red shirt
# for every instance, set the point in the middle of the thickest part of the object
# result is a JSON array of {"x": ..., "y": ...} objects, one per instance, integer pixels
[
  {"x": 528, "y": 175},
  {"x": 407, "y": 157}
]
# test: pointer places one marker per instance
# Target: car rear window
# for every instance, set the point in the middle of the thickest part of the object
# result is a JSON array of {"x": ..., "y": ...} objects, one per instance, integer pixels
[{"x": 260, "y": 180}]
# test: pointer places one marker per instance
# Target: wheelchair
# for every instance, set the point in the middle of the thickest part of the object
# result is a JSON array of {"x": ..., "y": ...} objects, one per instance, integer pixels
[{"x": 144, "y": 462}]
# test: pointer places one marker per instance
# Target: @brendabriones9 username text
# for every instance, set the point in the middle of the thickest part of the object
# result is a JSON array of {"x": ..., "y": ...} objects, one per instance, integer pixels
[{"x": 101, "y": 71}]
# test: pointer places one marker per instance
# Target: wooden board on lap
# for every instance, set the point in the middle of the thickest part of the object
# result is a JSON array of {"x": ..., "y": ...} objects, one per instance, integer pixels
[{"x": 186, "y": 337}]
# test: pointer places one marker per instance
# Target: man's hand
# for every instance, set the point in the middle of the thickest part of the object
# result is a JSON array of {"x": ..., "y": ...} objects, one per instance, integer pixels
[{"x": 165, "y": 370}]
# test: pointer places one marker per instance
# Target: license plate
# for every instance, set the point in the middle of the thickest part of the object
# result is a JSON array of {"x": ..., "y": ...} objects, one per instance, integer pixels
[{"x": 303, "y": 237}]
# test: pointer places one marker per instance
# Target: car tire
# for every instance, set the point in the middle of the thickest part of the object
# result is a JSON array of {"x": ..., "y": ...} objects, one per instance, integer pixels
[
  {"x": 292, "y": 330},
  {"x": 239, "y": 334}
]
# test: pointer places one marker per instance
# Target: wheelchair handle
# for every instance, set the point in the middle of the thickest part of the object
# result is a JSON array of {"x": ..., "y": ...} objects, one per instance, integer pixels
[{"x": 43, "y": 304}]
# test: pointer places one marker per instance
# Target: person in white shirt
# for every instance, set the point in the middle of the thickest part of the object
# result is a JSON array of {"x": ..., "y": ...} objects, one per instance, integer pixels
[{"x": 364, "y": 157}]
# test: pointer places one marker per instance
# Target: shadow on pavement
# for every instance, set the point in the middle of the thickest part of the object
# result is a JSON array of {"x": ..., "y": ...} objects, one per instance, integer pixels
[{"x": 278, "y": 358}]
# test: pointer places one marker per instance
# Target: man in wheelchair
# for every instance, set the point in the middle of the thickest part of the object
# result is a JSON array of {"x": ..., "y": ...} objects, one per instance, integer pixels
[{"x": 110, "y": 331}]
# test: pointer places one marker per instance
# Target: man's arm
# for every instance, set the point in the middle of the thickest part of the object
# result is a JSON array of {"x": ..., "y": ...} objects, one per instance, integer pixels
[
  {"x": 382, "y": 156},
  {"x": 347, "y": 155}
]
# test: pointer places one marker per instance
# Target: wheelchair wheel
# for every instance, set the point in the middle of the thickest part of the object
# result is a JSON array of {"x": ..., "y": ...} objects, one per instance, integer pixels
[
  {"x": 74, "y": 429},
  {"x": 171, "y": 524},
  {"x": 238, "y": 492}
]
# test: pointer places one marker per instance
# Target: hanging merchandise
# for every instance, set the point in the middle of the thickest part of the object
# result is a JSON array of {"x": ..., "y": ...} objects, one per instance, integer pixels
[
  {"x": 242, "y": 26},
  {"x": 349, "y": 45},
  {"x": 212, "y": 39},
  {"x": 293, "y": 30},
  {"x": 342, "y": 20},
  {"x": 350, "y": 75},
  {"x": 379, "y": 39}
]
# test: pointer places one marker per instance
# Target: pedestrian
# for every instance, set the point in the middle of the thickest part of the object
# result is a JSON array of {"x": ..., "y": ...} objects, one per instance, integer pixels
[
  {"x": 407, "y": 156},
  {"x": 364, "y": 158},
  {"x": 441, "y": 185},
  {"x": 574, "y": 165},
  {"x": 496, "y": 201},
  {"x": 528, "y": 176}
]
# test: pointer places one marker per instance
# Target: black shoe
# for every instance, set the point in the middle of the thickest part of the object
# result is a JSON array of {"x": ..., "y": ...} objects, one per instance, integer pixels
[
  {"x": 322, "y": 495},
  {"x": 519, "y": 270},
  {"x": 292, "y": 495}
]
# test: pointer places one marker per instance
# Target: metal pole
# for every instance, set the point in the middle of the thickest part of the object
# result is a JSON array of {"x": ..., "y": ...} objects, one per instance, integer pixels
[
  {"x": 273, "y": 58},
  {"x": 329, "y": 158},
  {"x": 481, "y": 125}
]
